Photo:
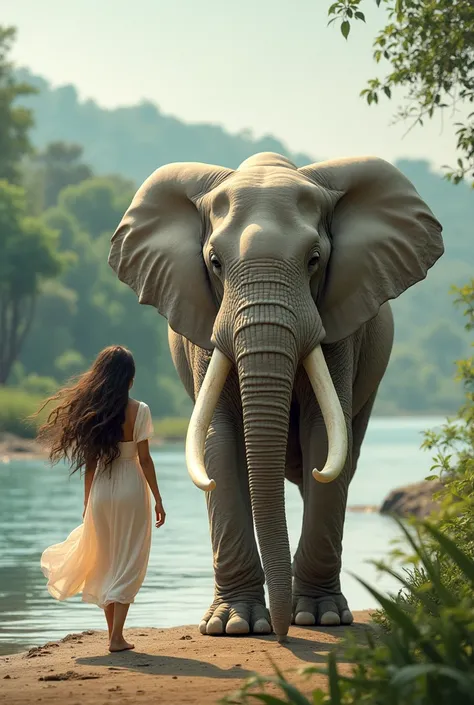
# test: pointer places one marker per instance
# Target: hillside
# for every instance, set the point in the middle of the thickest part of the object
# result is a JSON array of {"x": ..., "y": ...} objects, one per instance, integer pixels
[{"x": 133, "y": 141}]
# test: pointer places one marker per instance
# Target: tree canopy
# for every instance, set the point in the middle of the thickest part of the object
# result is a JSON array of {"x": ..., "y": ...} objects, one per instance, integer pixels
[
  {"x": 27, "y": 258},
  {"x": 429, "y": 47},
  {"x": 15, "y": 120}
]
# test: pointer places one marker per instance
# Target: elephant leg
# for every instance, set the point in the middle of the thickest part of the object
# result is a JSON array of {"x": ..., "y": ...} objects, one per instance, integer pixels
[
  {"x": 239, "y": 600},
  {"x": 317, "y": 596},
  {"x": 359, "y": 428}
]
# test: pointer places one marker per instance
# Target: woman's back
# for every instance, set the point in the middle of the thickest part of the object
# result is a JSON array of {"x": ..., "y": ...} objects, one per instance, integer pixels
[{"x": 131, "y": 413}]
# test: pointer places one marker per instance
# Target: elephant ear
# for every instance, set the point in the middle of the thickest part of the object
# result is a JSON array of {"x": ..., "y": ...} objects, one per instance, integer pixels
[
  {"x": 384, "y": 239},
  {"x": 157, "y": 248}
]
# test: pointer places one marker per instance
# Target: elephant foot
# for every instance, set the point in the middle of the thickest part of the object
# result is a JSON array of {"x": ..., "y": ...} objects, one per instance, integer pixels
[
  {"x": 327, "y": 611},
  {"x": 236, "y": 618}
]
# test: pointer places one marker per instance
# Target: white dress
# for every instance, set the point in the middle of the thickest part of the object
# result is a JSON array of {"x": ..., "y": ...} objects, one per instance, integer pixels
[{"x": 106, "y": 557}]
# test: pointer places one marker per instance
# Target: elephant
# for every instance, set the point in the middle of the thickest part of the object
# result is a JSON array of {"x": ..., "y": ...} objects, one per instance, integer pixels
[{"x": 275, "y": 282}]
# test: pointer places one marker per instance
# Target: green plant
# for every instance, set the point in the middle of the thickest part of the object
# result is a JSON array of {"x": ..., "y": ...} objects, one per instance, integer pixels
[
  {"x": 16, "y": 405},
  {"x": 425, "y": 658},
  {"x": 171, "y": 428},
  {"x": 39, "y": 386},
  {"x": 453, "y": 463},
  {"x": 428, "y": 46}
]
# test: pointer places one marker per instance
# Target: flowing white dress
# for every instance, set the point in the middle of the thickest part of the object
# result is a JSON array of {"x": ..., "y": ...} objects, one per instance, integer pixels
[{"x": 106, "y": 557}]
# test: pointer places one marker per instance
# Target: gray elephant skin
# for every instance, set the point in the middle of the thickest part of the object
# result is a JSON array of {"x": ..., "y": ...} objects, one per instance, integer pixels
[{"x": 275, "y": 282}]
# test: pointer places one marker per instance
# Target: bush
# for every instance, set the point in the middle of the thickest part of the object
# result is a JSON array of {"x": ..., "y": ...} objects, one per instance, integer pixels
[
  {"x": 426, "y": 658},
  {"x": 39, "y": 386},
  {"x": 171, "y": 428},
  {"x": 16, "y": 405},
  {"x": 69, "y": 364}
]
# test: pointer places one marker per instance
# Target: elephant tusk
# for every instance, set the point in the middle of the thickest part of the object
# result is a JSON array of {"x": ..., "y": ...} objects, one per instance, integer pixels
[
  {"x": 323, "y": 387},
  {"x": 201, "y": 418}
]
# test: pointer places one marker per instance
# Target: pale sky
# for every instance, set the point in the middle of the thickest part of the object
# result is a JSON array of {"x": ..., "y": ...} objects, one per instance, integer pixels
[{"x": 271, "y": 66}]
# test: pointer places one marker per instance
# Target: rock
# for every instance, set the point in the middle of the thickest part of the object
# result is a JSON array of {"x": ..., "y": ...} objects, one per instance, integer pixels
[
  {"x": 363, "y": 508},
  {"x": 413, "y": 500}
]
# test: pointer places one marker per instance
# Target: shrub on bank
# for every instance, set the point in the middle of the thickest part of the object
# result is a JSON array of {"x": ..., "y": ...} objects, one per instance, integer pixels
[
  {"x": 16, "y": 405},
  {"x": 425, "y": 658},
  {"x": 171, "y": 428}
]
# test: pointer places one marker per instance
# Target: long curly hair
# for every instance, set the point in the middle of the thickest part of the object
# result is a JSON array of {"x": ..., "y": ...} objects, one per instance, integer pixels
[{"x": 86, "y": 424}]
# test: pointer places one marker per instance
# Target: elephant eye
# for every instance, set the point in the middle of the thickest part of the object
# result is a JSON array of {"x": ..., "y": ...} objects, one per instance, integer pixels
[
  {"x": 216, "y": 265},
  {"x": 313, "y": 260}
]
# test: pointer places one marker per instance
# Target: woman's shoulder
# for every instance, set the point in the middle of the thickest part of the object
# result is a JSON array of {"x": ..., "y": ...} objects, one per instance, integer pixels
[{"x": 135, "y": 404}]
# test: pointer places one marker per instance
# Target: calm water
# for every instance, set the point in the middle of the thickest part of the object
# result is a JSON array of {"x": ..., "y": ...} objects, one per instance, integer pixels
[{"x": 40, "y": 506}]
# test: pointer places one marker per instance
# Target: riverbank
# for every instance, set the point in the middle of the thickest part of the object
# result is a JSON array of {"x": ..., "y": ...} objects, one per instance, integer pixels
[
  {"x": 176, "y": 666},
  {"x": 14, "y": 447}
]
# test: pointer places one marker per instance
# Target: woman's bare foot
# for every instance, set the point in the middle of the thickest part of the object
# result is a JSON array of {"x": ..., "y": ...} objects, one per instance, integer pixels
[{"x": 120, "y": 645}]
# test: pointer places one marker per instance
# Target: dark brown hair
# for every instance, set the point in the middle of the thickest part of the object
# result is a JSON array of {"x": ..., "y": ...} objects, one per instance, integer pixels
[{"x": 86, "y": 424}]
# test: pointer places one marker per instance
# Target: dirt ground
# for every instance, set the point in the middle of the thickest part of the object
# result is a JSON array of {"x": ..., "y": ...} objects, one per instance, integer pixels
[{"x": 169, "y": 666}]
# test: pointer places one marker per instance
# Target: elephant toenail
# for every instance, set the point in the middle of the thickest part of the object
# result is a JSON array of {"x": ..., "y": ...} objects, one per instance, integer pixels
[
  {"x": 214, "y": 626},
  {"x": 237, "y": 625},
  {"x": 346, "y": 617},
  {"x": 330, "y": 619},
  {"x": 305, "y": 619},
  {"x": 261, "y": 626}
]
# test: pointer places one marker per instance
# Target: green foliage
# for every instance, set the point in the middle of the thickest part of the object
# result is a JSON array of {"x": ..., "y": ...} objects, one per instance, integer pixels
[
  {"x": 27, "y": 258},
  {"x": 16, "y": 405},
  {"x": 15, "y": 120},
  {"x": 97, "y": 204},
  {"x": 49, "y": 171},
  {"x": 134, "y": 141},
  {"x": 426, "y": 657},
  {"x": 430, "y": 49},
  {"x": 69, "y": 364},
  {"x": 39, "y": 386},
  {"x": 171, "y": 428}
]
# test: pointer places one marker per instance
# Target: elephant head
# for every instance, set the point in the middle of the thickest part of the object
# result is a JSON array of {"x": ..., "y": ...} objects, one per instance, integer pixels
[{"x": 262, "y": 264}]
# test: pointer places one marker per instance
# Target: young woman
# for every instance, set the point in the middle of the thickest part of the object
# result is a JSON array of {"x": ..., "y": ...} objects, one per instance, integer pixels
[{"x": 96, "y": 427}]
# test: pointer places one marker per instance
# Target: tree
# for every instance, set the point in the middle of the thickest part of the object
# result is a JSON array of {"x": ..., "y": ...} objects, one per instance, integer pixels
[
  {"x": 27, "y": 258},
  {"x": 15, "y": 121},
  {"x": 98, "y": 203},
  {"x": 51, "y": 170},
  {"x": 429, "y": 45}
]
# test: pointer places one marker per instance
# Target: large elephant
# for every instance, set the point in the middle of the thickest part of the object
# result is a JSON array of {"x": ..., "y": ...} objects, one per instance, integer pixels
[{"x": 275, "y": 282}]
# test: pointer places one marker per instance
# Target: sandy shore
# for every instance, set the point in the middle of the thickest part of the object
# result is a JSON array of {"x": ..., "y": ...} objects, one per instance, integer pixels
[{"x": 169, "y": 666}]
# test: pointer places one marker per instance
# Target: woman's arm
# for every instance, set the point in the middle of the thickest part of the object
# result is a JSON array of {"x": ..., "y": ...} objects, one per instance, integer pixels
[
  {"x": 88, "y": 477},
  {"x": 148, "y": 468}
]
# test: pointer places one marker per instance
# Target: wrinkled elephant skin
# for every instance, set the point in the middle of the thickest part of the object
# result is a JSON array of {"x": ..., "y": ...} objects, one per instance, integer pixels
[{"x": 286, "y": 275}]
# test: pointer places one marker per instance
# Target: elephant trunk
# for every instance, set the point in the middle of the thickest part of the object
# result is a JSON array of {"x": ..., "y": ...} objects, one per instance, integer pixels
[{"x": 266, "y": 374}]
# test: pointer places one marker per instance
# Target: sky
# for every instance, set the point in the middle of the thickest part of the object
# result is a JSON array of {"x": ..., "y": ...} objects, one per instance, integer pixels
[{"x": 270, "y": 66}]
